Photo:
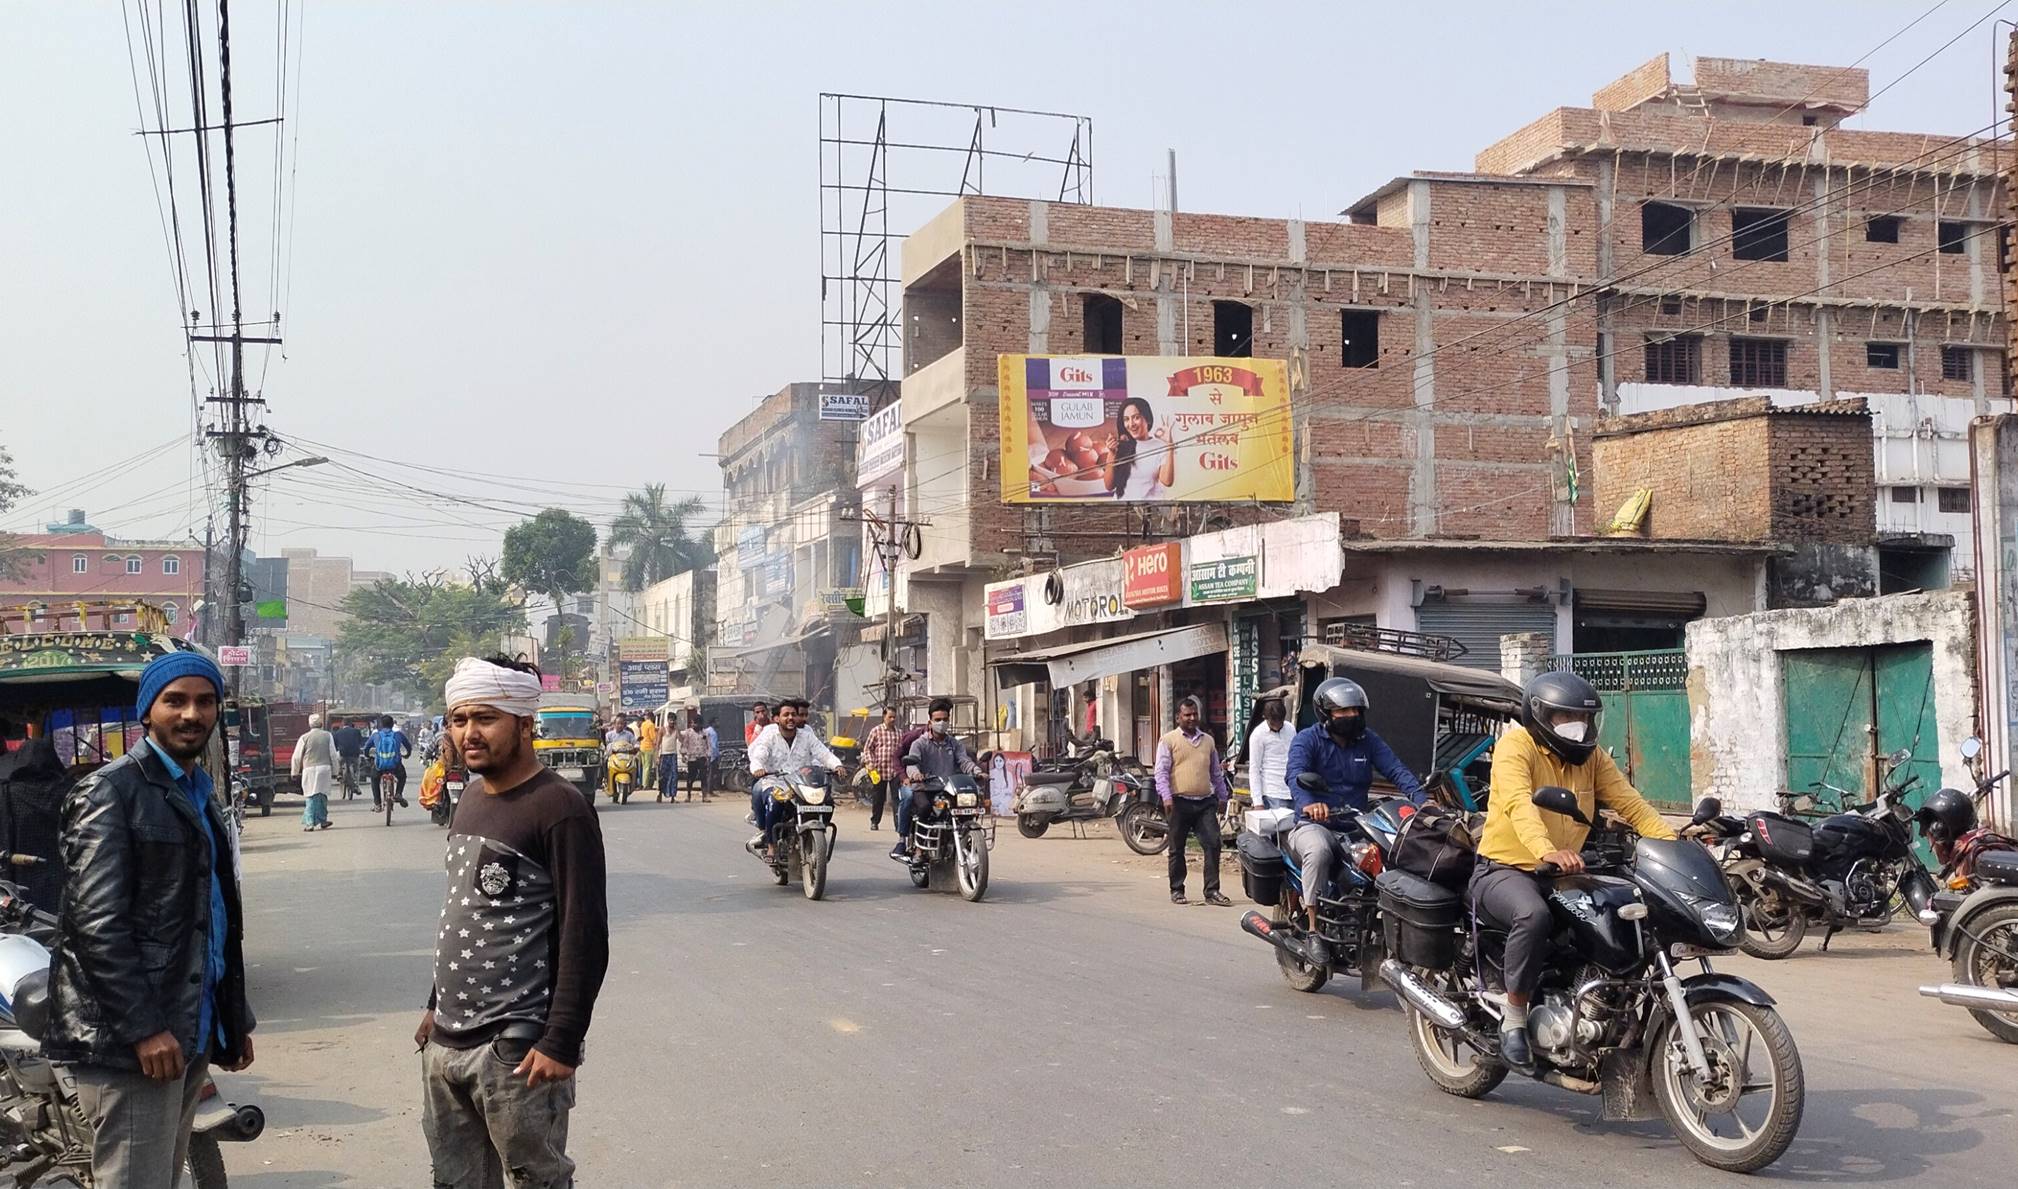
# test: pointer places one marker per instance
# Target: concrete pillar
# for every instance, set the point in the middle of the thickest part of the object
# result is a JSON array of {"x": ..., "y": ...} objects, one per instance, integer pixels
[{"x": 1523, "y": 656}]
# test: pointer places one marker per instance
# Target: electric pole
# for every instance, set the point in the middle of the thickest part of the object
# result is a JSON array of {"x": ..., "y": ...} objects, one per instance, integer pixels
[{"x": 891, "y": 537}]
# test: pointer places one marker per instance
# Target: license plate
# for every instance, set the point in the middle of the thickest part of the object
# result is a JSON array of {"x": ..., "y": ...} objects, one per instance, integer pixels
[
  {"x": 571, "y": 773},
  {"x": 455, "y": 786}
]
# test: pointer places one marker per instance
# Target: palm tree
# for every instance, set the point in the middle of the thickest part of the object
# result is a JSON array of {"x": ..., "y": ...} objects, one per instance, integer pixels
[{"x": 657, "y": 535}]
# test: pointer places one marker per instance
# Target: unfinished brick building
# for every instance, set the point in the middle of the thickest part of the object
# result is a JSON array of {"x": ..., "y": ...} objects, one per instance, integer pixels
[{"x": 1460, "y": 333}]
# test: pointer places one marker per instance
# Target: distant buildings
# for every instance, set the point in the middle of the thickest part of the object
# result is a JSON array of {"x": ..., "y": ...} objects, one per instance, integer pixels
[{"x": 74, "y": 561}]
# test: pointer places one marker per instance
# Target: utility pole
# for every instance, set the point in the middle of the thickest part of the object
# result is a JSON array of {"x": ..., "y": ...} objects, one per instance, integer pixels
[{"x": 891, "y": 537}]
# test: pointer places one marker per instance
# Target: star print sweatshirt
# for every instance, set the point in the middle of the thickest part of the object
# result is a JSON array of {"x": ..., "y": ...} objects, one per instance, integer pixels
[{"x": 525, "y": 933}]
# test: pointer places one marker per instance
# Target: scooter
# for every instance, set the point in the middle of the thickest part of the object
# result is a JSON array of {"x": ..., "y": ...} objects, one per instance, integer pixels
[
  {"x": 1099, "y": 786},
  {"x": 622, "y": 766}
]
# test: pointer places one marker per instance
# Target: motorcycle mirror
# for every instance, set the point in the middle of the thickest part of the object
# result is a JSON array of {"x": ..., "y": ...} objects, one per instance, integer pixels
[
  {"x": 1557, "y": 799},
  {"x": 1971, "y": 747},
  {"x": 1706, "y": 809},
  {"x": 1900, "y": 756},
  {"x": 1310, "y": 782}
]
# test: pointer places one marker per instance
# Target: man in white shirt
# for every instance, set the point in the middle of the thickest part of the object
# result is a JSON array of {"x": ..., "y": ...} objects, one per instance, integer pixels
[
  {"x": 785, "y": 746},
  {"x": 1268, "y": 758}
]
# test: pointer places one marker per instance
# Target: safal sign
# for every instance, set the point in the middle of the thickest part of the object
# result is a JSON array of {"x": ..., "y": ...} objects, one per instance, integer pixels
[
  {"x": 844, "y": 406},
  {"x": 1227, "y": 578},
  {"x": 879, "y": 444},
  {"x": 1144, "y": 429}
]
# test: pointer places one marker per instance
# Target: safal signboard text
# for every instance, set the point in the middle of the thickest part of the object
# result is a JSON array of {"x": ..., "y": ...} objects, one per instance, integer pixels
[
  {"x": 1227, "y": 578},
  {"x": 1144, "y": 429},
  {"x": 844, "y": 406},
  {"x": 879, "y": 444}
]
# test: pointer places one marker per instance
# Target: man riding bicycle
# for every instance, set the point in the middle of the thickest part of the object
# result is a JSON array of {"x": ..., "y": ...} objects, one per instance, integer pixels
[
  {"x": 389, "y": 748},
  {"x": 349, "y": 739}
]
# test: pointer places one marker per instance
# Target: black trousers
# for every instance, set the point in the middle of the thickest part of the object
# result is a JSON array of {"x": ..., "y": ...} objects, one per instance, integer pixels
[
  {"x": 696, "y": 778},
  {"x": 1200, "y": 816},
  {"x": 1511, "y": 899},
  {"x": 879, "y": 793}
]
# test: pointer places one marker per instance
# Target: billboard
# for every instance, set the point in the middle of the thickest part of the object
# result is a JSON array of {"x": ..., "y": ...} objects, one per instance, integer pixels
[
  {"x": 844, "y": 406},
  {"x": 642, "y": 682},
  {"x": 879, "y": 444},
  {"x": 1152, "y": 576},
  {"x": 1144, "y": 429}
]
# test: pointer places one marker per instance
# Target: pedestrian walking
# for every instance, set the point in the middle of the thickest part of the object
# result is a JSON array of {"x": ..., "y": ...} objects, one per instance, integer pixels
[
  {"x": 523, "y": 946},
  {"x": 315, "y": 767},
  {"x": 693, "y": 752},
  {"x": 1192, "y": 784},
  {"x": 880, "y": 752},
  {"x": 714, "y": 771},
  {"x": 648, "y": 750},
  {"x": 147, "y": 981}
]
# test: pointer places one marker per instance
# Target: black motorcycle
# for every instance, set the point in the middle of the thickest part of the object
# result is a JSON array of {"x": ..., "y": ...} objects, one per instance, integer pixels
[
  {"x": 951, "y": 835},
  {"x": 1348, "y": 913},
  {"x": 1705, "y": 1052},
  {"x": 1851, "y": 869}
]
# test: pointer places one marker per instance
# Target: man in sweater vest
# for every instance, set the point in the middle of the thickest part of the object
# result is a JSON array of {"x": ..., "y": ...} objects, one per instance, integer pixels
[{"x": 1192, "y": 783}]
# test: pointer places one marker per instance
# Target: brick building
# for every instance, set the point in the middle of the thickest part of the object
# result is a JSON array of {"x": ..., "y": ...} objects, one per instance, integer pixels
[{"x": 74, "y": 560}]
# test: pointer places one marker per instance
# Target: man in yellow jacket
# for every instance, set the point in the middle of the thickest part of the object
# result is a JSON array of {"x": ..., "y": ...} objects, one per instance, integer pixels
[{"x": 1556, "y": 744}]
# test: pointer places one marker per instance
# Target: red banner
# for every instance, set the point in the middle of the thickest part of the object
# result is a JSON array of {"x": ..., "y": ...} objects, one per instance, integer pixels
[
  {"x": 1183, "y": 382},
  {"x": 1152, "y": 576}
]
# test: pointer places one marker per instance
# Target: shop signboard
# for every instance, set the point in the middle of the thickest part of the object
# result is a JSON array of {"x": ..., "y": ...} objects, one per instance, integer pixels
[
  {"x": 749, "y": 548},
  {"x": 844, "y": 406},
  {"x": 1093, "y": 593},
  {"x": 234, "y": 656},
  {"x": 1144, "y": 429},
  {"x": 1006, "y": 616},
  {"x": 1225, "y": 579},
  {"x": 642, "y": 679},
  {"x": 1153, "y": 576},
  {"x": 550, "y": 683},
  {"x": 879, "y": 444}
]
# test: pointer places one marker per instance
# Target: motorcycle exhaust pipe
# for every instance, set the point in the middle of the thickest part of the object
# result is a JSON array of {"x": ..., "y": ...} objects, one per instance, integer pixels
[
  {"x": 1419, "y": 996},
  {"x": 1255, "y": 925},
  {"x": 1975, "y": 998}
]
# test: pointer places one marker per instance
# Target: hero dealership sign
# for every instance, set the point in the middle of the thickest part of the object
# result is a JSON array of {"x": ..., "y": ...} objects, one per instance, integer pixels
[{"x": 1152, "y": 576}]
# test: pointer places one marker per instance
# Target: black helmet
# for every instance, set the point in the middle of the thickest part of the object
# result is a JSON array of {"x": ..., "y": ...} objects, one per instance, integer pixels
[
  {"x": 1553, "y": 693},
  {"x": 1946, "y": 816},
  {"x": 1335, "y": 694}
]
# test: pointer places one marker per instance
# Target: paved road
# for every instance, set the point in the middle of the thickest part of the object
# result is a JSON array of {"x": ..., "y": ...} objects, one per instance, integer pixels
[{"x": 1074, "y": 1029}]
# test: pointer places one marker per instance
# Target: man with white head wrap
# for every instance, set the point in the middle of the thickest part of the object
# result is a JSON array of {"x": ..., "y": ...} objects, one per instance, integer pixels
[
  {"x": 522, "y": 949},
  {"x": 315, "y": 766}
]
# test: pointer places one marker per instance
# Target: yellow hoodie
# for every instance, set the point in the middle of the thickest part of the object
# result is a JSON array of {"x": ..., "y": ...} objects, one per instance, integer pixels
[{"x": 1518, "y": 834}]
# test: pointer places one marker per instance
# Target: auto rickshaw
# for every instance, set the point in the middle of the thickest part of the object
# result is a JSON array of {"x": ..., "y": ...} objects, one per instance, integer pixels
[
  {"x": 568, "y": 737},
  {"x": 1441, "y": 719}
]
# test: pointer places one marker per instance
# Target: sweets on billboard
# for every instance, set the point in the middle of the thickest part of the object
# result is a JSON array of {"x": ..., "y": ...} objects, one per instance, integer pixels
[{"x": 1144, "y": 429}]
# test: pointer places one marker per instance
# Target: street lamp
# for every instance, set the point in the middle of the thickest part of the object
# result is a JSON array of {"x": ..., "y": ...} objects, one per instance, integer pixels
[{"x": 299, "y": 462}]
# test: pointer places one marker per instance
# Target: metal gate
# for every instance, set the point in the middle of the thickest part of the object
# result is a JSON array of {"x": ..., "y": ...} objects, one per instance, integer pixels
[
  {"x": 1646, "y": 723},
  {"x": 1845, "y": 707}
]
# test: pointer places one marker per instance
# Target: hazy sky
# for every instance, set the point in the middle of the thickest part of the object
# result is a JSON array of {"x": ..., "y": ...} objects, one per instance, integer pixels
[{"x": 563, "y": 246}]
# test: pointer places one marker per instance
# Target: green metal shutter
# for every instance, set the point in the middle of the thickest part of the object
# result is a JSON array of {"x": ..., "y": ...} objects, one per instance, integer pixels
[{"x": 1479, "y": 625}]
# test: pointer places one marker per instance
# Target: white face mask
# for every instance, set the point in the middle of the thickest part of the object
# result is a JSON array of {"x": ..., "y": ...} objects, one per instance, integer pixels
[{"x": 1574, "y": 730}]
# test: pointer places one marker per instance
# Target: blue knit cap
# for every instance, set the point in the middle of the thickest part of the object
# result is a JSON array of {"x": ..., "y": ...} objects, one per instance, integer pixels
[{"x": 176, "y": 665}]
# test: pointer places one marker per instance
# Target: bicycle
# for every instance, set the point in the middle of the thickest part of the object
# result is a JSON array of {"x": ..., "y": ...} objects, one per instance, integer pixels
[
  {"x": 347, "y": 776},
  {"x": 388, "y": 792}
]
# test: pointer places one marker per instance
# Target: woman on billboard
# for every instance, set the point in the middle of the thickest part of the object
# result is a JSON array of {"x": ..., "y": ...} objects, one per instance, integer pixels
[{"x": 1129, "y": 479}]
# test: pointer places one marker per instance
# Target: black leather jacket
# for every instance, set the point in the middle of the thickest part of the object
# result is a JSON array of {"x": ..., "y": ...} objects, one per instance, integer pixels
[{"x": 134, "y": 920}]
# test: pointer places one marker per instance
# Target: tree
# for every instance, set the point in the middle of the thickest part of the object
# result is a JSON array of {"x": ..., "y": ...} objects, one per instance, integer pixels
[
  {"x": 13, "y": 558},
  {"x": 409, "y": 632},
  {"x": 657, "y": 535},
  {"x": 553, "y": 554}
]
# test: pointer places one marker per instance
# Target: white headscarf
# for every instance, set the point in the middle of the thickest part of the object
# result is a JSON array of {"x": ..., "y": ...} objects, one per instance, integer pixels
[{"x": 479, "y": 681}]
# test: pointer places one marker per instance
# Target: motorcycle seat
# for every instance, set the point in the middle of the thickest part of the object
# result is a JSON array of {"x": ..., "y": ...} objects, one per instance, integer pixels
[
  {"x": 1998, "y": 867},
  {"x": 1066, "y": 777}
]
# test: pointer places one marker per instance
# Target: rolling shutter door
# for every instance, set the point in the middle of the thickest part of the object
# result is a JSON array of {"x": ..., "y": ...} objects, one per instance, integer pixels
[{"x": 1479, "y": 625}]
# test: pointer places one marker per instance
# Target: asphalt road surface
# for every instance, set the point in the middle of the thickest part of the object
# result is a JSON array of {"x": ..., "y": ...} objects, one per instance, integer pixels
[{"x": 1073, "y": 1029}]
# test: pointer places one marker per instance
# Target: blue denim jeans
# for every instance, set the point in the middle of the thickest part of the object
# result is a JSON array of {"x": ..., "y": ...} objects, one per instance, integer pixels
[{"x": 904, "y": 813}]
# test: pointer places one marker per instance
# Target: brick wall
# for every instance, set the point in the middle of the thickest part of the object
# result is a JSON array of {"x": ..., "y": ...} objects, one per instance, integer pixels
[
  {"x": 1788, "y": 82},
  {"x": 1643, "y": 82},
  {"x": 1823, "y": 474}
]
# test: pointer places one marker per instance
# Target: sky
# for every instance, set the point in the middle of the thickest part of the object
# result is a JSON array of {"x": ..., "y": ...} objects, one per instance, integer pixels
[{"x": 546, "y": 253}]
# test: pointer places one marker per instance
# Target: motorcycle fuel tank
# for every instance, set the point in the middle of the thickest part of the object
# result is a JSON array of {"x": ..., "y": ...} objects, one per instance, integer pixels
[
  {"x": 1849, "y": 836},
  {"x": 1587, "y": 907}
]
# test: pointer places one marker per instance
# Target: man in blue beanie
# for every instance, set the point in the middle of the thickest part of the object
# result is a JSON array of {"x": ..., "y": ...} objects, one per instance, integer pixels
[{"x": 147, "y": 983}]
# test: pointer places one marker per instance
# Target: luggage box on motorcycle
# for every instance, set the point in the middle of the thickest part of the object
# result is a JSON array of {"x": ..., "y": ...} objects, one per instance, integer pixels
[
  {"x": 1269, "y": 822},
  {"x": 1781, "y": 839},
  {"x": 1260, "y": 868},
  {"x": 1418, "y": 919}
]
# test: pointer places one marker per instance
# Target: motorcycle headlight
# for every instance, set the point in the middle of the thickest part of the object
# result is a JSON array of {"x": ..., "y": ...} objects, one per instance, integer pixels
[
  {"x": 815, "y": 794},
  {"x": 1722, "y": 920},
  {"x": 969, "y": 800}
]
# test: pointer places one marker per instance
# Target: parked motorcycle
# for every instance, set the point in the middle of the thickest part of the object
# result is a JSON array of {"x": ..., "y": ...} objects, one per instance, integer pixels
[
  {"x": 1708, "y": 1053},
  {"x": 1849, "y": 869},
  {"x": 1096, "y": 786},
  {"x": 1348, "y": 919},
  {"x": 1974, "y": 915},
  {"x": 453, "y": 781},
  {"x": 621, "y": 767},
  {"x": 951, "y": 835},
  {"x": 46, "y": 1136},
  {"x": 801, "y": 838}
]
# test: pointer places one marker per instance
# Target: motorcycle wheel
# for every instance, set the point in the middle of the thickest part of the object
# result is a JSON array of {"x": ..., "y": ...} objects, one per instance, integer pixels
[
  {"x": 1143, "y": 829},
  {"x": 1977, "y": 965},
  {"x": 206, "y": 1163},
  {"x": 971, "y": 865},
  {"x": 1774, "y": 925},
  {"x": 1031, "y": 825},
  {"x": 813, "y": 866},
  {"x": 1300, "y": 975},
  {"x": 1454, "y": 1066},
  {"x": 1716, "y": 1123}
]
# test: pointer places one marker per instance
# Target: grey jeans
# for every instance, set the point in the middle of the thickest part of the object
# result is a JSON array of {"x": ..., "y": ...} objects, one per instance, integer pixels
[
  {"x": 485, "y": 1129},
  {"x": 139, "y": 1126},
  {"x": 1316, "y": 849}
]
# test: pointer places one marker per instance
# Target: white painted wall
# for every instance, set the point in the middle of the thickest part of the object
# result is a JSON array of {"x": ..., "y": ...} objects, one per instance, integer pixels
[{"x": 1737, "y": 719}]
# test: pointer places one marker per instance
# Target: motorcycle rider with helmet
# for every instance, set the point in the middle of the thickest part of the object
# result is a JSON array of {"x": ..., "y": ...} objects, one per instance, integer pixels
[
  {"x": 1556, "y": 744},
  {"x": 1339, "y": 748}
]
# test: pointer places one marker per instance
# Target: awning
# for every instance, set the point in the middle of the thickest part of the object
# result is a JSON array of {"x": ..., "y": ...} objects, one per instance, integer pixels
[{"x": 1069, "y": 664}]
